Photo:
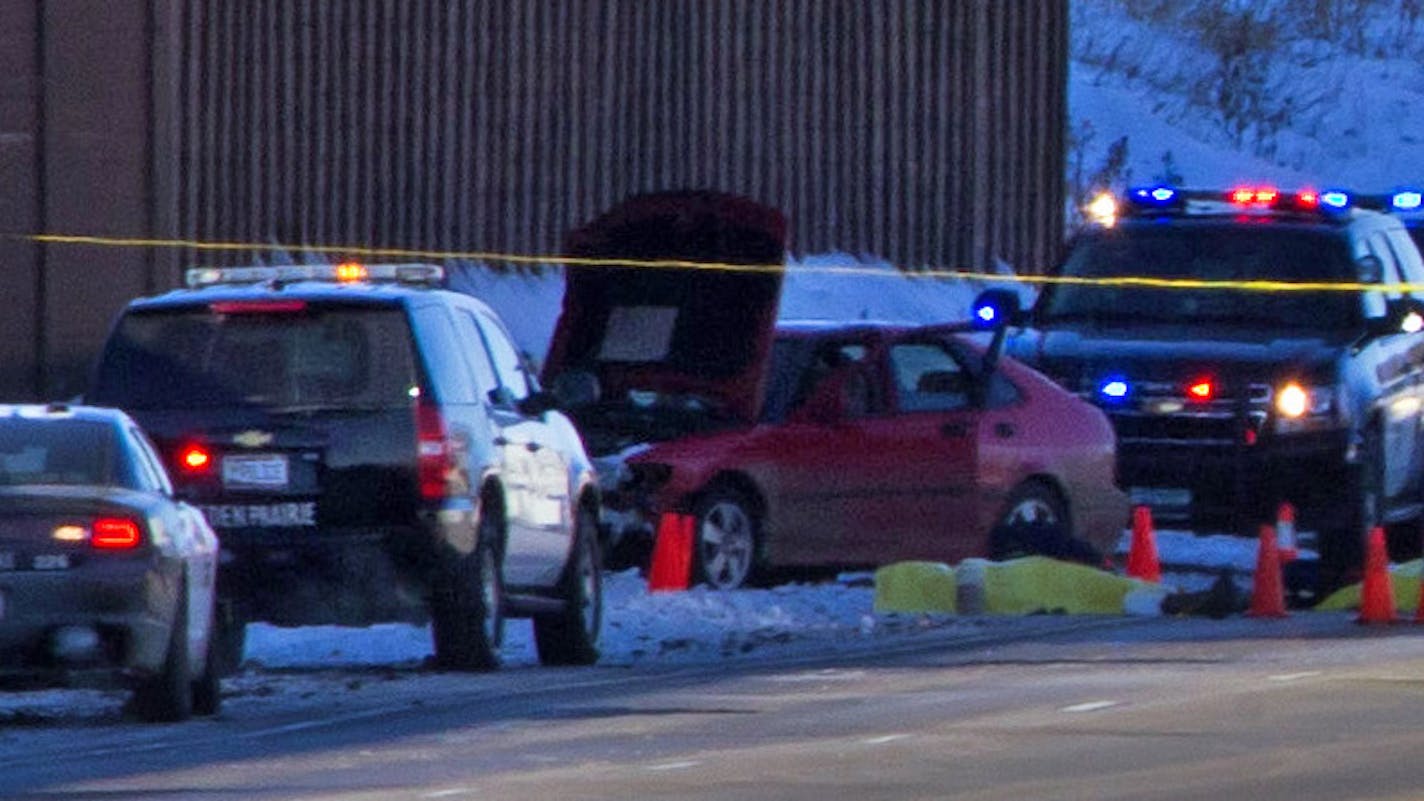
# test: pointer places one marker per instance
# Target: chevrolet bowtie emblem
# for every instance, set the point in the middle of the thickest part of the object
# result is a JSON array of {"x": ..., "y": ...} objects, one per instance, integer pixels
[{"x": 253, "y": 439}]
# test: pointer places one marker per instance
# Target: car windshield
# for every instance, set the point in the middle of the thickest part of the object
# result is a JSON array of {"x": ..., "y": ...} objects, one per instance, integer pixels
[
  {"x": 1212, "y": 253},
  {"x": 77, "y": 452},
  {"x": 346, "y": 357}
]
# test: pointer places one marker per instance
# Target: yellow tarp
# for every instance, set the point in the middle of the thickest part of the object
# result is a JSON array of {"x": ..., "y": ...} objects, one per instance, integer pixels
[
  {"x": 1017, "y": 587},
  {"x": 915, "y": 587},
  {"x": 1403, "y": 579},
  {"x": 1039, "y": 584}
]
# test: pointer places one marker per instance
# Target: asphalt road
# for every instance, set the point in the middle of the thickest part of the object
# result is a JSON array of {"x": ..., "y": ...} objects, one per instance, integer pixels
[{"x": 1312, "y": 707}]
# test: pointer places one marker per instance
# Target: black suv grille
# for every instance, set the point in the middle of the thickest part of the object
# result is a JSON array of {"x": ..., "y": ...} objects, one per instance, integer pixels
[
  {"x": 1200, "y": 429},
  {"x": 1160, "y": 413}
]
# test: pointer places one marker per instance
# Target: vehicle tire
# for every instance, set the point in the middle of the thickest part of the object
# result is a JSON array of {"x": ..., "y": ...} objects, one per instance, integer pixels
[
  {"x": 168, "y": 696},
  {"x": 571, "y": 636},
  {"x": 1035, "y": 522},
  {"x": 1341, "y": 548},
  {"x": 231, "y": 640},
  {"x": 467, "y": 608},
  {"x": 726, "y": 540},
  {"x": 207, "y": 688}
]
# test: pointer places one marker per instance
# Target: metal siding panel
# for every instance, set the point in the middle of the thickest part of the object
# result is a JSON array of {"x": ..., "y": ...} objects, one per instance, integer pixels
[{"x": 882, "y": 127}]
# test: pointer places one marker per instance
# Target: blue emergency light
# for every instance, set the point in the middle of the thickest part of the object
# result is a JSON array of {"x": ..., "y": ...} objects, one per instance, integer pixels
[
  {"x": 1406, "y": 200},
  {"x": 985, "y": 314},
  {"x": 1113, "y": 389},
  {"x": 1162, "y": 197},
  {"x": 1335, "y": 199}
]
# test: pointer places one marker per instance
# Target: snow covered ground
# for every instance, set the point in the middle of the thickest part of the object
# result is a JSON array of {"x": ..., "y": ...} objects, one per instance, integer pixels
[
  {"x": 295, "y": 665},
  {"x": 702, "y": 624}
]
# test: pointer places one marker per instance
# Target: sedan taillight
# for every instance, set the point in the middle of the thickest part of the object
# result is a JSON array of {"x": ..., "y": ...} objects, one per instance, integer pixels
[{"x": 115, "y": 534}]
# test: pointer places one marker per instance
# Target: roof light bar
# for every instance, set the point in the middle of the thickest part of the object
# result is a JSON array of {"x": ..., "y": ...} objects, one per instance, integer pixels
[
  {"x": 1160, "y": 199},
  {"x": 423, "y": 274}
]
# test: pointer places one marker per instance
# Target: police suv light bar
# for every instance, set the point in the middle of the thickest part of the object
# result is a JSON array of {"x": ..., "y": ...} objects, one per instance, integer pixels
[
  {"x": 346, "y": 273},
  {"x": 1164, "y": 199},
  {"x": 1405, "y": 200}
]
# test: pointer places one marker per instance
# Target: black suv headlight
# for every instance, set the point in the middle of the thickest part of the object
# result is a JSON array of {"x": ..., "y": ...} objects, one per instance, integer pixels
[{"x": 1303, "y": 407}]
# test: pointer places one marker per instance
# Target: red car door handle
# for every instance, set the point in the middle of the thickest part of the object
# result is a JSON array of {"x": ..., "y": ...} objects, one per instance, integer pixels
[
  {"x": 1004, "y": 430},
  {"x": 953, "y": 430}
]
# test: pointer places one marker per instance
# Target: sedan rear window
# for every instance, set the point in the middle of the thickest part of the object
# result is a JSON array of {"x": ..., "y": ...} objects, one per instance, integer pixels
[
  {"x": 76, "y": 452},
  {"x": 315, "y": 357}
]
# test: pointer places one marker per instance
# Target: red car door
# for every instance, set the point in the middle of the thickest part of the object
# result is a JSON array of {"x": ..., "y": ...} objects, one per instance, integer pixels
[
  {"x": 816, "y": 469},
  {"x": 923, "y": 455}
]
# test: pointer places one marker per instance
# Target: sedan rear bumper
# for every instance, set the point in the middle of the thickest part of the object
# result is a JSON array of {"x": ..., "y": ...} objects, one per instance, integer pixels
[{"x": 111, "y": 618}]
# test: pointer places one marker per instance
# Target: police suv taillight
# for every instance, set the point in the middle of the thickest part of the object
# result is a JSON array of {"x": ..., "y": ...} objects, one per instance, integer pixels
[
  {"x": 435, "y": 458},
  {"x": 194, "y": 459}
]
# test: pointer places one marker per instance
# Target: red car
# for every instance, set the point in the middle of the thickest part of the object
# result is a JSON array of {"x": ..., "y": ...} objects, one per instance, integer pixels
[{"x": 810, "y": 444}]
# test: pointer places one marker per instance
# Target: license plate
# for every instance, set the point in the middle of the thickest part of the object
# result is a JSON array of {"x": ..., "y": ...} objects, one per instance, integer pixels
[
  {"x": 1165, "y": 497},
  {"x": 265, "y": 471}
]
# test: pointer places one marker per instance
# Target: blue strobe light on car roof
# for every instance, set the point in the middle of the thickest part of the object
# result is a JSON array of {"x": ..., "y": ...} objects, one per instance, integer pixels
[
  {"x": 1155, "y": 197},
  {"x": 1160, "y": 195},
  {"x": 1335, "y": 199},
  {"x": 1407, "y": 200}
]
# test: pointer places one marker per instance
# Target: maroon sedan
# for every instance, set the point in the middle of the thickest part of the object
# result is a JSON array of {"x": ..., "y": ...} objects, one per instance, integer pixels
[{"x": 812, "y": 444}]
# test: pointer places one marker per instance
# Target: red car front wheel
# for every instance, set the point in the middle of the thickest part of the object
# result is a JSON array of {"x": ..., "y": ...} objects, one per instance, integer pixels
[{"x": 726, "y": 540}]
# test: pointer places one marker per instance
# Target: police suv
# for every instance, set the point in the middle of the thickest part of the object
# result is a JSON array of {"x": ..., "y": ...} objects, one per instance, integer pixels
[
  {"x": 369, "y": 447},
  {"x": 1252, "y": 348}
]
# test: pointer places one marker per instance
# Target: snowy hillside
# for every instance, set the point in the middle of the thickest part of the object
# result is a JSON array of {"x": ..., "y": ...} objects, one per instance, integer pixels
[{"x": 1298, "y": 92}]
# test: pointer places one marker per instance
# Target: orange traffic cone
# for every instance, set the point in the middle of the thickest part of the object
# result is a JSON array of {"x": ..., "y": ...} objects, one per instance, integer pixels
[
  {"x": 1377, "y": 591},
  {"x": 1268, "y": 589},
  {"x": 671, "y": 567},
  {"x": 1142, "y": 552},
  {"x": 1285, "y": 532}
]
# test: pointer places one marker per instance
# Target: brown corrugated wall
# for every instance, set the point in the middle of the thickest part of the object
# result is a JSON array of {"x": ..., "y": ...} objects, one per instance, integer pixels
[{"x": 928, "y": 133}]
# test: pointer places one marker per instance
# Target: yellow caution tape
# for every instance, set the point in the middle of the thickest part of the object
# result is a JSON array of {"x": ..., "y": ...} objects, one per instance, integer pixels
[{"x": 679, "y": 264}]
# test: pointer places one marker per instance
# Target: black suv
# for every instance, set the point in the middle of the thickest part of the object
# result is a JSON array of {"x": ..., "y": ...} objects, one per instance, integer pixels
[
  {"x": 369, "y": 447},
  {"x": 1263, "y": 382}
]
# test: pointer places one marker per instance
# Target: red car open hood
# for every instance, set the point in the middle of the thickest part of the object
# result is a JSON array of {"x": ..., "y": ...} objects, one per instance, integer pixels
[{"x": 703, "y": 331}]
